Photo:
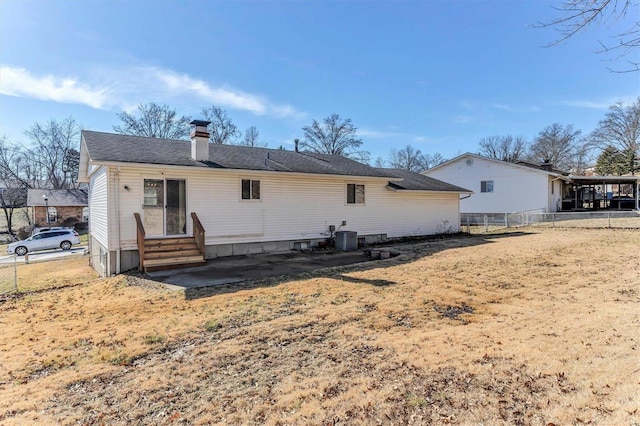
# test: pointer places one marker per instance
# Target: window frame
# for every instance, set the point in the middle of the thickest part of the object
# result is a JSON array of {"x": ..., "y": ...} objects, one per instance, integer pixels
[
  {"x": 352, "y": 194},
  {"x": 254, "y": 186},
  {"x": 486, "y": 186},
  {"x": 52, "y": 214}
]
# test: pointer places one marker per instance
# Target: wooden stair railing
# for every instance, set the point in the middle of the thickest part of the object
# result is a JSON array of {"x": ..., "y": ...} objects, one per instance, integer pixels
[
  {"x": 198, "y": 232},
  {"x": 154, "y": 244},
  {"x": 140, "y": 235}
]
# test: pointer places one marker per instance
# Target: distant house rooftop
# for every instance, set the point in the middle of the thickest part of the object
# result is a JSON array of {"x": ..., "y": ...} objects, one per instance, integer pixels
[{"x": 57, "y": 197}]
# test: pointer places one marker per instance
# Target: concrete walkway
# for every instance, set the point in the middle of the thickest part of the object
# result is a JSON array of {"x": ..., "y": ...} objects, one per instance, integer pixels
[{"x": 234, "y": 269}]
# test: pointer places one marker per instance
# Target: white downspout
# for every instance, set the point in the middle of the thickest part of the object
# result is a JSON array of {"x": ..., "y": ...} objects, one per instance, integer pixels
[{"x": 117, "y": 224}]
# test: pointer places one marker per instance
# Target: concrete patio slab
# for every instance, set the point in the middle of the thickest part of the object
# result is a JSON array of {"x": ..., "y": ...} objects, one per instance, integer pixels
[{"x": 225, "y": 270}]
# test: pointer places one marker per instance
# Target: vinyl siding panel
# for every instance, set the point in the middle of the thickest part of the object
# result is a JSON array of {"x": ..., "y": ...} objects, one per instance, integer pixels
[
  {"x": 291, "y": 206},
  {"x": 411, "y": 214},
  {"x": 99, "y": 202}
]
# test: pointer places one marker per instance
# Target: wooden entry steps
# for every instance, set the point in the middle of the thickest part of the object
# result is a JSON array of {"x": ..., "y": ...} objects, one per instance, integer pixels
[
  {"x": 171, "y": 253},
  {"x": 158, "y": 254}
]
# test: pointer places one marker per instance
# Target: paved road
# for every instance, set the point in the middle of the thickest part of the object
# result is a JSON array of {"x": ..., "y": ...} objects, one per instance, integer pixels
[{"x": 44, "y": 255}]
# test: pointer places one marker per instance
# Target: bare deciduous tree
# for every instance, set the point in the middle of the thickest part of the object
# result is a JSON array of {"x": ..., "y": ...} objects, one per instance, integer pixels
[
  {"x": 380, "y": 163},
  {"x": 53, "y": 153},
  {"x": 433, "y": 160},
  {"x": 577, "y": 15},
  {"x": 334, "y": 136},
  {"x": 50, "y": 160},
  {"x": 251, "y": 136},
  {"x": 505, "y": 148},
  {"x": 582, "y": 159},
  {"x": 556, "y": 144},
  {"x": 221, "y": 130},
  {"x": 408, "y": 158},
  {"x": 154, "y": 121},
  {"x": 11, "y": 199},
  {"x": 621, "y": 130}
]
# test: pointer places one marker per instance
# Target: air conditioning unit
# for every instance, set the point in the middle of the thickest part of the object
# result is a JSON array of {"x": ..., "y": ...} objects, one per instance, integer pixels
[{"x": 346, "y": 241}]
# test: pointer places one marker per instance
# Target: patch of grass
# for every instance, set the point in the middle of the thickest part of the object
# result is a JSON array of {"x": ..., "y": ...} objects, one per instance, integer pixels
[
  {"x": 54, "y": 274},
  {"x": 154, "y": 339},
  {"x": 212, "y": 325},
  {"x": 118, "y": 358},
  {"x": 416, "y": 400}
]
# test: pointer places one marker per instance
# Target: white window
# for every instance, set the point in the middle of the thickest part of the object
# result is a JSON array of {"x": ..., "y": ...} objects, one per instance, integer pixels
[
  {"x": 486, "y": 186},
  {"x": 85, "y": 214},
  {"x": 355, "y": 193},
  {"x": 250, "y": 189},
  {"x": 53, "y": 214}
]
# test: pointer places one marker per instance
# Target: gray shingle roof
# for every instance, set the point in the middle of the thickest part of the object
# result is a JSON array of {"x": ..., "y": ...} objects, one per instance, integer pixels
[
  {"x": 416, "y": 182},
  {"x": 57, "y": 197},
  {"x": 109, "y": 147}
]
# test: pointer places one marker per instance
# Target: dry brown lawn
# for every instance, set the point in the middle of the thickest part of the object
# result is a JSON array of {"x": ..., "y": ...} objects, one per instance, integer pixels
[{"x": 536, "y": 327}]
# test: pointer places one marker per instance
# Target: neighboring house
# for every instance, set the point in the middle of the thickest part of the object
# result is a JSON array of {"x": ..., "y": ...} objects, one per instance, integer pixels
[
  {"x": 64, "y": 207},
  {"x": 503, "y": 187},
  {"x": 144, "y": 193}
]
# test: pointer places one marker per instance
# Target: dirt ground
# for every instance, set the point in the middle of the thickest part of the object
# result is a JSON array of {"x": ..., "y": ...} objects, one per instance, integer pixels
[{"x": 535, "y": 327}]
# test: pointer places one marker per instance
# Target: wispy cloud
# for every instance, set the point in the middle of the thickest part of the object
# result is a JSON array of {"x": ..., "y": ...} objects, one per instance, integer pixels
[
  {"x": 599, "y": 104},
  {"x": 397, "y": 136},
  {"x": 517, "y": 108},
  {"x": 463, "y": 119},
  {"x": 502, "y": 107},
  {"x": 378, "y": 134},
  {"x": 21, "y": 83},
  {"x": 185, "y": 85},
  {"x": 126, "y": 87}
]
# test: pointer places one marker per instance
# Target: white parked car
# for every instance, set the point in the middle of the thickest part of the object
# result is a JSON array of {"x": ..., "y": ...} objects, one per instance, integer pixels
[
  {"x": 53, "y": 228},
  {"x": 58, "y": 238}
]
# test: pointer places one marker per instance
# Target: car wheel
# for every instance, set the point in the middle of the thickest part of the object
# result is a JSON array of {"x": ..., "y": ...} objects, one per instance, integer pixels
[
  {"x": 65, "y": 245},
  {"x": 21, "y": 251}
]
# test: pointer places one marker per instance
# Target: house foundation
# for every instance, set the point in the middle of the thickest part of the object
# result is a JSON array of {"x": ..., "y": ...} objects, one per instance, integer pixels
[{"x": 104, "y": 262}]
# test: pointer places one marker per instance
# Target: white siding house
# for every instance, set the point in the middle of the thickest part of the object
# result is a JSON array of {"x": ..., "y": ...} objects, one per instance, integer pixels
[
  {"x": 249, "y": 200},
  {"x": 500, "y": 186}
]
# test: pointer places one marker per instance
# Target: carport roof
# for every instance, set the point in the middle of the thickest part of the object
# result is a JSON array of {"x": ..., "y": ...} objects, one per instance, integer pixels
[{"x": 598, "y": 180}]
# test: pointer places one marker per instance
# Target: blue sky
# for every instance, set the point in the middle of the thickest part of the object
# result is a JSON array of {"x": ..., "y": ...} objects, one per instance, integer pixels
[{"x": 438, "y": 75}]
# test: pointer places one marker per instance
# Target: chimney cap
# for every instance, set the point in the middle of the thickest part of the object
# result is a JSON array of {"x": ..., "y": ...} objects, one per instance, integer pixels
[{"x": 204, "y": 123}]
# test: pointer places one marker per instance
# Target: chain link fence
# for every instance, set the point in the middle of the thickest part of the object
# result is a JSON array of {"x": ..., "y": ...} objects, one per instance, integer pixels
[
  {"x": 8, "y": 277},
  {"x": 601, "y": 219},
  {"x": 20, "y": 274}
]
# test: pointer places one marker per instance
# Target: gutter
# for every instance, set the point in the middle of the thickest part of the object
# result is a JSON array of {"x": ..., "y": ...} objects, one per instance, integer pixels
[{"x": 117, "y": 201}]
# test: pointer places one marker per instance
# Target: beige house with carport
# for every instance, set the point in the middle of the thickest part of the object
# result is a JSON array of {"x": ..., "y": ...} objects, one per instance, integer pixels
[{"x": 200, "y": 200}]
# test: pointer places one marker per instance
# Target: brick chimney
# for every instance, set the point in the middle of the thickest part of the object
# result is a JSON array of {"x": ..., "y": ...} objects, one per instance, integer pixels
[
  {"x": 199, "y": 140},
  {"x": 547, "y": 165}
]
